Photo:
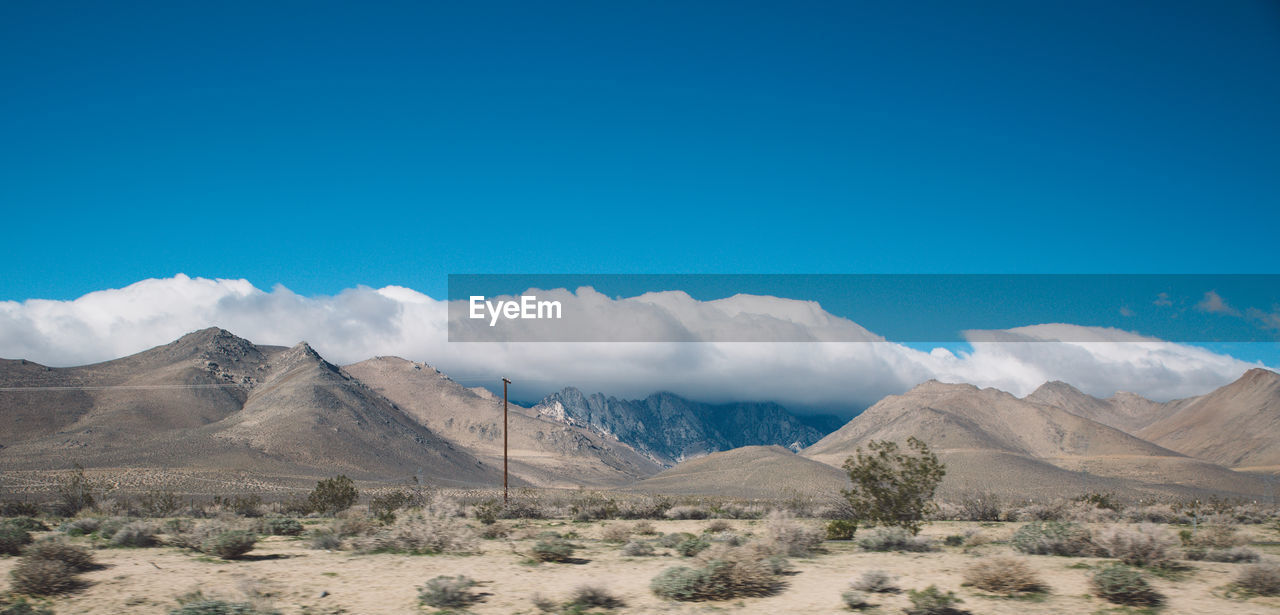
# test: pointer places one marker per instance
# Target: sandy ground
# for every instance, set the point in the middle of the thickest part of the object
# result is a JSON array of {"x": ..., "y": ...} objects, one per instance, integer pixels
[{"x": 286, "y": 574}]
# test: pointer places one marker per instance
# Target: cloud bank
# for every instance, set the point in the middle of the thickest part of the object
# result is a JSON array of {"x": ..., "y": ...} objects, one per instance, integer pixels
[{"x": 363, "y": 322}]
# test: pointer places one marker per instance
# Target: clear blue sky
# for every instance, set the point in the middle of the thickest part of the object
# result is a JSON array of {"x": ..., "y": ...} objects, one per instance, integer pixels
[{"x": 322, "y": 145}]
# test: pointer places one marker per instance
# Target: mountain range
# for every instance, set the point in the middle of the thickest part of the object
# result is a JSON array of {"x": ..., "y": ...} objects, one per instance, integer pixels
[{"x": 217, "y": 404}]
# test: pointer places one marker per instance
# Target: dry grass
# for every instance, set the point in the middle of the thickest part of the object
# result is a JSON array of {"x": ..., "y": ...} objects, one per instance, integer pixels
[{"x": 1004, "y": 575}]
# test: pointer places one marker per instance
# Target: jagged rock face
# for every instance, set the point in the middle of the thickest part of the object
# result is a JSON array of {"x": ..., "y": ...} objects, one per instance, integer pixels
[{"x": 669, "y": 429}]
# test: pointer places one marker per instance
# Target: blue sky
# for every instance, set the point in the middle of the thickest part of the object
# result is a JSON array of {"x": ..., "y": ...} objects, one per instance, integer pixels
[{"x": 324, "y": 145}]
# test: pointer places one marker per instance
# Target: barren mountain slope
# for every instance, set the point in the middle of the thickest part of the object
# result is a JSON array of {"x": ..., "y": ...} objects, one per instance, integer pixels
[
  {"x": 1125, "y": 411},
  {"x": 1237, "y": 425},
  {"x": 211, "y": 400},
  {"x": 994, "y": 441},
  {"x": 546, "y": 453},
  {"x": 747, "y": 472}
]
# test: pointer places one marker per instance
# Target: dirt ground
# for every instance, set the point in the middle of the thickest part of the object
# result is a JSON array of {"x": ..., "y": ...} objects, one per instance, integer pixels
[{"x": 289, "y": 576}]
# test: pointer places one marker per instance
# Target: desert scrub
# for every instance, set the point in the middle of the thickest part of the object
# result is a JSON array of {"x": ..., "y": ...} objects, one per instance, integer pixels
[
  {"x": 325, "y": 540},
  {"x": 43, "y": 577},
  {"x": 80, "y": 527},
  {"x": 1234, "y": 555},
  {"x": 30, "y": 524},
  {"x": 77, "y": 558},
  {"x": 644, "y": 528},
  {"x": 230, "y": 545},
  {"x": 430, "y": 532},
  {"x": 108, "y": 527},
  {"x": 333, "y": 495},
  {"x": 444, "y": 592},
  {"x": 932, "y": 601},
  {"x": 718, "y": 525},
  {"x": 616, "y": 533},
  {"x": 1054, "y": 538},
  {"x": 841, "y": 529},
  {"x": 1124, "y": 585},
  {"x": 135, "y": 534},
  {"x": 22, "y": 607},
  {"x": 199, "y": 605},
  {"x": 282, "y": 526},
  {"x": 671, "y": 540},
  {"x": 894, "y": 539},
  {"x": 728, "y": 573},
  {"x": 592, "y": 597},
  {"x": 687, "y": 513},
  {"x": 494, "y": 531},
  {"x": 1004, "y": 575},
  {"x": 552, "y": 550},
  {"x": 637, "y": 548},
  {"x": 788, "y": 538},
  {"x": 691, "y": 547},
  {"x": 1261, "y": 579},
  {"x": 875, "y": 582},
  {"x": 1141, "y": 545},
  {"x": 855, "y": 599},
  {"x": 13, "y": 539}
]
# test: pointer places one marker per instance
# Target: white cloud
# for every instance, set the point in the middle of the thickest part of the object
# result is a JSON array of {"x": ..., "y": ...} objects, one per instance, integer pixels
[
  {"x": 362, "y": 322},
  {"x": 1215, "y": 304}
]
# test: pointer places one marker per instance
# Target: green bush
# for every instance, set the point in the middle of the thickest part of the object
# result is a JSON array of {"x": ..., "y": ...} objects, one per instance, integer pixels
[
  {"x": 1054, "y": 538},
  {"x": 552, "y": 550},
  {"x": 333, "y": 495},
  {"x": 43, "y": 577},
  {"x": 692, "y": 547},
  {"x": 30, "y": 524},
  {"x": 282, "y": 526},
  {"x": 1124, "y": 585},
  {"x": 894, "y": 539},
  {"x": 384, "y": 506},
  {"x": 108, "y": 528},
  {"x": 80, "y": 527},
  {"x": 444, "y": 592},
  {"x": 932, "y": 601},
  {"x": 841, "y": 529},
  {"x": 12, "y": 539},
  {"x": 893, "y": 488},
  {"x": 732, "y": 573},
  {"x": 230, "y": 545},
  {"x": 954, "y": 540},
  {"x": 78, "y": 558}
]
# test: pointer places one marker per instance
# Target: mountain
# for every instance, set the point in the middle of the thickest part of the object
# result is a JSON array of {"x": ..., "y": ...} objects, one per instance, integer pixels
[
  {"x": 993, "y": 441},
  {"x": 1237, "y": 425},
  {"x": 545, "y": 452},
  {"x": 669, "y": 429},
  {"x": 1125, "y": 411},
  {"x": 214, "y": 401},
  {"x": 747, "y": 472}
]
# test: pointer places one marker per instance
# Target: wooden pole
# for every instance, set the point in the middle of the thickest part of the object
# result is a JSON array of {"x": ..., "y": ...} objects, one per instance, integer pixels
[{"x": 505, "y": 382}]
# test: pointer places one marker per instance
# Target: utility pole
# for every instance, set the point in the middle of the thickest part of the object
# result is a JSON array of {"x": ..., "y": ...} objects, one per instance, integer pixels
[{"x": 505, "y": 382}]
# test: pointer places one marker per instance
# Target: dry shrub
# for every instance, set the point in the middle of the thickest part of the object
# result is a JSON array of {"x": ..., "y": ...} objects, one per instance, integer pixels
[
  {"x": 1234, "y": 555},
  {"x": 1219, "y": 535},
  {"x": 1004, "y": 575},
  {"x": 13, "y": 539},
  {"x": 644, "y": 528},
  {"x": 428, "y": 532},
  {"x": 1141, "y": 545},
  {"x": 1056, "y": 511},
  {"x": 718, "y": 525},
  {"x": 55, "y": 549},
  {"x": 687, "y": 512},
  {"x": 1262, "y": 579},
  {"x": 350, "y": 524},
  {"x": 43, "y": 577},
  {"x": 1155, "y": 513},
  {"x": 616, "y": 533},
  {"x": 788, "y": 538},
  {"x": 592, "y": 596},
  {"x": 446, "y": 592},
  {"x": 856, "y": 600},
  {"x": 230, "y": 545},
  {"x": 932, "y": 601},
  {"x": 875, "y": 582},
  {"x": 325, "y": 540},
  {"x": 552, "y": 550},
  {"x": 135, "y": 534},
  {"x": 637, "y": 549},
  {"x": 495, "y": 530}
]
